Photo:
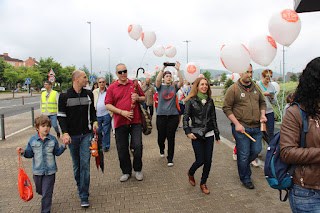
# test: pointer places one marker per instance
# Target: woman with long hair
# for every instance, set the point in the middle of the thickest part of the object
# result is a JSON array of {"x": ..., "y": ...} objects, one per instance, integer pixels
[
  {"x": 167, "y": 113},
  {"x": 304, "y": 196},
  {"x": 268, "y": 92},
  {"x": 200, "y": 109}
]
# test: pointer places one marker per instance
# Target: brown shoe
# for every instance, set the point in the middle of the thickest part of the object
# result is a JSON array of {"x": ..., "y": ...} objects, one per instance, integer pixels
[
  {"x": 204, "y": 188},
  {"x": 191, "y": 180}
]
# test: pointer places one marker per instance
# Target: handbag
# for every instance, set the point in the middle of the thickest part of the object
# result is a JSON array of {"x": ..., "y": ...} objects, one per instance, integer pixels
[
  {"x": 24, "y": 183},
  {"x": 145, "y": 121}
]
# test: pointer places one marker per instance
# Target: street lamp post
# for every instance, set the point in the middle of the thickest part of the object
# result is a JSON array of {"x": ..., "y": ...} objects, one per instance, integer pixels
[
  {"x": 89, "y": 22},
  {"x": 109, "y": 66},
  {"x": 187, "y": 41}
]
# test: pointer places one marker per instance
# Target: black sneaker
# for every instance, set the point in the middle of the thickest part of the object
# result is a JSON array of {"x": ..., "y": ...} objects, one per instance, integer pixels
[
  {"x": 249, "y": 185},
  {"x": 106, "y": 149},
  {"x": 85, "y": 203}
]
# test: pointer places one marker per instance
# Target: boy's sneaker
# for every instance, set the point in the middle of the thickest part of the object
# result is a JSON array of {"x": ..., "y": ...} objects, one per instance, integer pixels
[
  {"x": 85, "y": 203},
  {"x": 139, "y": 176},
  {"x": 124, "y": 177},
  {"x": 170, "y": 163},
  {"x": 254, "y": 163},
  {"x": 162, "y": 155},
  {"x": 234, "y": 156}
]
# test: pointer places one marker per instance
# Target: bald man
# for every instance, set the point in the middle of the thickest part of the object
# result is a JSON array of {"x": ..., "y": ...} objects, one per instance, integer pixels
[{"x": 77, "y": 117}]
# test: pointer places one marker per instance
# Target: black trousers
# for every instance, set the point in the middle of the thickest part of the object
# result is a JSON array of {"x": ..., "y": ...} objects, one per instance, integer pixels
[
  {"x": 167, "y": 126},
  {"x": 122, "y": 142},
  {"x": 44, "y": 186}
]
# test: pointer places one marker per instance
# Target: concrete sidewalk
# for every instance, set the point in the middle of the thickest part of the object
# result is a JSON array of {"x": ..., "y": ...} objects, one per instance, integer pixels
[{"x": 164, "y": 189}]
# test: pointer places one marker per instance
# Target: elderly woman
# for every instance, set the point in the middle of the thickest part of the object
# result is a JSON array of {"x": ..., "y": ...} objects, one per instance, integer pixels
[
  {"x": 268, "y": 91},
  {"x": 200, "y": 109},
  {"x": 167, "y": 113},
  {"x": 304, "y": 196}
]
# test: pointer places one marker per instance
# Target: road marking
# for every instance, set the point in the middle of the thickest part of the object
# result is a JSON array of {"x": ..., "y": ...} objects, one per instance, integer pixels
[
  {"x": 20, "y": 105},
  {"x": 21, "y": 130}
]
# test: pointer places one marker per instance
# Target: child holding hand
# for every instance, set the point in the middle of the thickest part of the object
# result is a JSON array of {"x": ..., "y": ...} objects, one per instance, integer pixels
[{"x": 43, "y": 148}]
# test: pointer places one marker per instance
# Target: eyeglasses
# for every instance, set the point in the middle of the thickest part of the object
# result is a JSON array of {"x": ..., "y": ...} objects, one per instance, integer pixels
[
  {"x": 101, "y": 82},
  {"x": 249, "y": 72},
  {"x": 123, "y": 71}
]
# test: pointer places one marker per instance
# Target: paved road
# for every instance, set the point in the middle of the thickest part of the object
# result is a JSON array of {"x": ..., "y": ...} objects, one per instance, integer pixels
[{"x": 14, "y": 106}]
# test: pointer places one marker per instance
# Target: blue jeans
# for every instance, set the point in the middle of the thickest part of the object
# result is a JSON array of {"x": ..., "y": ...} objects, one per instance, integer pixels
[
  {"x": 104, "y": 129},
  {"x": 247, "y": 150},
  {"x": 270, "y": 125},
  {"x": 304, "y": 199},
  {"x": 44, "y": 186},
  {"x": 122, "y": 141},
  {"x": 53, "y": 119},
  {"x": 80, "y": 153},
  {"x": 203, "y": 153}
]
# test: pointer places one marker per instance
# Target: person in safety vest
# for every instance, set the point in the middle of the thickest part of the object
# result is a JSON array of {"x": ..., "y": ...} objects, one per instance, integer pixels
[{"x": 49, "y": 105}]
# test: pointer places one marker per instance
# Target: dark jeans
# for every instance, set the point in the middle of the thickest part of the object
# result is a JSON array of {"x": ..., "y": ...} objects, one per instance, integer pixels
[
  {"x": 80, "y": 153},
  {"x": 150, "y": 110},
  {"x": 304, "y": 199},
  {"x": 44, "y": 186},
  {"x": 167, "y": 126},
  {"x": 270, "y": 125},
  {"x": 122, "y": 141},
  {"x": 203, "y": 153},
  {"x": 104, "y": 129},
  {"x": 247, "y": 150}
]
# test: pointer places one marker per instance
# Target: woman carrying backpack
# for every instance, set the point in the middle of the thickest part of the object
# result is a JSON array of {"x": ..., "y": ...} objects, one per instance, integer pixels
[
  {"x": 304, "y": 195},
  {"x": 200, "y": 109}
]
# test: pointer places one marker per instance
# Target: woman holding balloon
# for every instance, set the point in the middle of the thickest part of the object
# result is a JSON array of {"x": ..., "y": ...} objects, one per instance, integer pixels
[
  {"x": 167, "y": 113},
  {"x": 268, "y": 92}
]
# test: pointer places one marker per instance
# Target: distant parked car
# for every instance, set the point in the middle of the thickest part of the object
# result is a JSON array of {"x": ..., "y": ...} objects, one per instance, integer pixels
[{"x": 2, "y": 89}]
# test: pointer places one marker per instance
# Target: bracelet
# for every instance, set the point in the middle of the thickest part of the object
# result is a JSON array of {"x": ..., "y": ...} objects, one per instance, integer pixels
[
  {"x": 96, "y": 122},
  {"x": 65, "y": 134}
]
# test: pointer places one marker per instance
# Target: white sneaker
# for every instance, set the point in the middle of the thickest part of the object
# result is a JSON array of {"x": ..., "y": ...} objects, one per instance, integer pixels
[
  {"x": 254, "y": 163},
  {"x": 139, "y": 176},
  {"x": 124, "y": 177},
  {"x": 162, "y": 155},
  {"x": 234, "y": 156},
  {"x": 170, "y": 164}
]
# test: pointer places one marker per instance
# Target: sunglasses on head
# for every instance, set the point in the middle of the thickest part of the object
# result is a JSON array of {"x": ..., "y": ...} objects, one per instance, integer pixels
[{"x": 123, "y": 71}]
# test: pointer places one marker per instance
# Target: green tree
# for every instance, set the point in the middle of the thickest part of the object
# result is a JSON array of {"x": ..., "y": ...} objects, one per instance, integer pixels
[
  {"x": 280, "y": 79},
  {"x": 28, "y": 72},
  {"x": 3, "y": 65},
  {"x": 154, "y": 77},
  {"x": 227, "y": 85},
  {"x": 107, "y": 77},
  {"x": 44, "y": 67},
  {"x": 223, "y": 77},
  {"x": 207, "y": 75},
  {"x": 13, "y": 75},
  {"x": 293, "y": 77},
  {"x": 215, "y": 82}
]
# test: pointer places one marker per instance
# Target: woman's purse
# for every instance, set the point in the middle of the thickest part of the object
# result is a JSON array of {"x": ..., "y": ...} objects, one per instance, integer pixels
[{"x": 145, "y": 121}]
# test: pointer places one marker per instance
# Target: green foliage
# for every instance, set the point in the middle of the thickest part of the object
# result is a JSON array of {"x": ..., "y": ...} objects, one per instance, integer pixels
[
  {"x": 216, "y": 83},
  {"x": 3, "y": 65},
  {"x": 207, "y": 75},
  {"x": 223, "y": 77},
  {"x": 227, "y": 85},
  {"x": 293, "y": 77},
  {"x": 107, "y": 77},
  {"x": 154, "y": 77}
]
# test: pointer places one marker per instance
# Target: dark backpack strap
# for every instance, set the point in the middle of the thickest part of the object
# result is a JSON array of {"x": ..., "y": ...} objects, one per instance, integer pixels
[{"x": 285, "y": 197}]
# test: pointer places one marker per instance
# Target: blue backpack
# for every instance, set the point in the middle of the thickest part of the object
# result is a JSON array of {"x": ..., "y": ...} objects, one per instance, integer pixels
[{"x": 277, "y": 172}]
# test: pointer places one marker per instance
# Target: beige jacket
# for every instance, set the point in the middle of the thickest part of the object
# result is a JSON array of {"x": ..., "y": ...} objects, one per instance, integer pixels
[
  {"x": 149, "y": 92},
  {"x": 245, "y": 105},
  {"x": 307, "y": 171}
]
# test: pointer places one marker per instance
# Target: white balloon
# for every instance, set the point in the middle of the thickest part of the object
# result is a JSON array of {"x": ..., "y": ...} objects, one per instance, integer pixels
[
  {"x": 148, "y": 38},
  {"x": 285, "y": 27},
  {"x": 171, "y": 51},
  {"x": 157, "y": 68},
  {"x": 276, "y": 87},
  {"x": 235, "y": 77},
  {"x": 201, "y": 76},
  {"x": 135, "y": 31},
  {"x": 235, "y": 57},
  {"x": 159, "y": 50},
  {"x": 191, "y": 72},
  {"x": 263, "y": 49}
]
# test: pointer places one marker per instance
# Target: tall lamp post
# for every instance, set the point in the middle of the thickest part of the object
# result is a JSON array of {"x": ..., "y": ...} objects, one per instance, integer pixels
[
  {"x": 187, "y": 41},
  {"x": 89, "y": 22},
  {"x": 109, "y": 66}
]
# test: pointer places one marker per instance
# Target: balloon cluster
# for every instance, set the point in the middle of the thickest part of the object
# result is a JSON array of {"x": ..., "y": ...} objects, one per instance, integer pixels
[
  {"x": 284, "y": 28},
  {"x": 148, "y": 37},
  {"x": 169, "y": 51}
]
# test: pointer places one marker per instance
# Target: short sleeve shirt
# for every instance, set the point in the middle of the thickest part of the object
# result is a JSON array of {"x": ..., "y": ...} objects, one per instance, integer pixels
[
  {"x": 167, "y": 100},
  {"x": 119, "y": 95}
]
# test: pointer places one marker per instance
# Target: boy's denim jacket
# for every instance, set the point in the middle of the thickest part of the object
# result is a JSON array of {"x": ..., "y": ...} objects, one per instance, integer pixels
[{"x": 43, "y": 153}]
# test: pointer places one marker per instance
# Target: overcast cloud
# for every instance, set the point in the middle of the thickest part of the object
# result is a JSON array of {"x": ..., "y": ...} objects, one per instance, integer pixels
[{"x": 59, "y": 29}]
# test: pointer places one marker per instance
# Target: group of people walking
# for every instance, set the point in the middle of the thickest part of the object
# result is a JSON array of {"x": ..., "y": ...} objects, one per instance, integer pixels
[{"x": 79, "y": 111}]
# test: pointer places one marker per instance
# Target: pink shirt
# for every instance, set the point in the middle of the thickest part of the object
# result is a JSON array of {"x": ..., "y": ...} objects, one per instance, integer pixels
[{"x": 119, "y": 95}]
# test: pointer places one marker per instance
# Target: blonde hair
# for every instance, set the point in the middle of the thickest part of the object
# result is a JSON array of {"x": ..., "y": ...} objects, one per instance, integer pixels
[{"x": 194, "y": 89}]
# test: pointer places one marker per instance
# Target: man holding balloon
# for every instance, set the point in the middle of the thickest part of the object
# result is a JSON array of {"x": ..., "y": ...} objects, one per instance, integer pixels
[{"x": 245, "y": 107}]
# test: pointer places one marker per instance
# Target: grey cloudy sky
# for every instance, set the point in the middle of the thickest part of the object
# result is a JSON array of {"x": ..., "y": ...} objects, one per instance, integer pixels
[{"x": 43, "y": 28}]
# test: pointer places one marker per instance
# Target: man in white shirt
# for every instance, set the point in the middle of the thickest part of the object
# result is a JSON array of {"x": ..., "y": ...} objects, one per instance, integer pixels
[{"x": 103, "y": 117}]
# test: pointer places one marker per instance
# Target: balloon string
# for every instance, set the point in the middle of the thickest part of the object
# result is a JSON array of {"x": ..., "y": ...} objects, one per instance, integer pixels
[{"x": 143, "y": 56}]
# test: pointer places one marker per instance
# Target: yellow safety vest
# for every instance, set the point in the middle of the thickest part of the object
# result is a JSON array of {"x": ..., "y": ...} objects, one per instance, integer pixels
[{"x": 51, "y": 105}]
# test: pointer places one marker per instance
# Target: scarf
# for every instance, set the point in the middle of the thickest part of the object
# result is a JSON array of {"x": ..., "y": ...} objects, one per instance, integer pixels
[{"x": 202, "y": 97}]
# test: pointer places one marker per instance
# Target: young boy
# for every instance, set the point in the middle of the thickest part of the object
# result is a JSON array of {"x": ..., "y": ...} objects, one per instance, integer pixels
[{"x": 43, "y": 148}]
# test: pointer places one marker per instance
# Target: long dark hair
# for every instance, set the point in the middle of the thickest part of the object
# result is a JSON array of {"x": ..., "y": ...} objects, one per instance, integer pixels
[{"x": 308, "y": 90}]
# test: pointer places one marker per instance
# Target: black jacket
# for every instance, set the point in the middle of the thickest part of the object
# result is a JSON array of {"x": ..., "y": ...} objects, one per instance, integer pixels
[
  {"x": 76, "y": 114},
  {"x": 203, "y": 118}
]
